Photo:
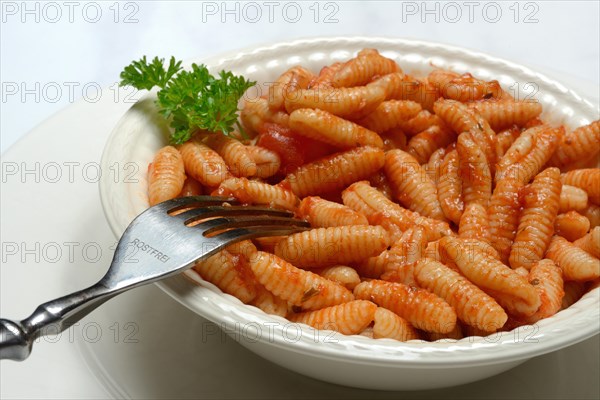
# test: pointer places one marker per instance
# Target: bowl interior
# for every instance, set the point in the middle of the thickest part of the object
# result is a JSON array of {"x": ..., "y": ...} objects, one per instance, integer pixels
[{"x": 141, "y": 132}]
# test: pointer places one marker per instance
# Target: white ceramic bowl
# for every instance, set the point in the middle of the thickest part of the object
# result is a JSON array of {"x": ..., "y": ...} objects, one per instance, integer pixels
[{"x": 351, "y": 360}]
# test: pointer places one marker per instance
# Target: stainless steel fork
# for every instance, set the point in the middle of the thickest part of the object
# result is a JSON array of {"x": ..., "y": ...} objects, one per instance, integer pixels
[{"x": 162, "y": 241}]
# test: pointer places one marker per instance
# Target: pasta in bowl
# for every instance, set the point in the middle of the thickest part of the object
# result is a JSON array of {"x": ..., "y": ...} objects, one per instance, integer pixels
[{"x": 413, "y": 178}]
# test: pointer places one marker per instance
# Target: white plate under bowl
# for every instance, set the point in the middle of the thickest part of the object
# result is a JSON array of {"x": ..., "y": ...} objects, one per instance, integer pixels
[{"x": 351, "y": 360}]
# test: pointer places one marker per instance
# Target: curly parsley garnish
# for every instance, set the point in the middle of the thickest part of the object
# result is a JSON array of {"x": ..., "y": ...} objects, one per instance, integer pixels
[{"x": 192, "y": 99}]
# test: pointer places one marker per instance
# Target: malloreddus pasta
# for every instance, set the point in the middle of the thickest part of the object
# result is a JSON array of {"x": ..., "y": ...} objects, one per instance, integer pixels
[{"x": 440, "y": 206}]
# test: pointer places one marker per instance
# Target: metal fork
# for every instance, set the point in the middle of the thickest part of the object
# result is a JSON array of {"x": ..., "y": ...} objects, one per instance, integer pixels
[{"x": 157, "y": 244}]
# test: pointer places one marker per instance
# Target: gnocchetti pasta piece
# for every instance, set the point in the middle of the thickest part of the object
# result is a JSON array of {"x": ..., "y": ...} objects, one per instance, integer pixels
[
  {"x": 256, "y": 112},
  {"x": 296, "y": 286},
  {"x": 270, "y": 303},
  {"x": 325, "y": 77},
  {"x": 323, "y": 247},
  {"x": 166, "y": 175},
  {"x": 328, "y": 128},
  {"x": 503, "y": 216},
  {"x": 411, "y": 185},
  {"x": 472, "y": 305},
  {"x": 321, "y": 213},
  {"x": 528, "y": 154},
  {"x": 434, "y": 164},
  {"x": 267, "y": 243},
  {"x": 421, "y": 308},
  {"x": 203, "y": 163},
  {"x": 592, "y": 213},
  {"x": 349, "y": 318},
  {"x": 579, "y": 145},
  {"x": 540, "y": 202},
  {"x": 474, "y": 171},
  {"x": 267, "y": 162},
  {"x": 512, "y": 291},
  {"x": 191, "y": 187},
  {"x": 547, "y": 279},
  {"x": 587, "y": 179},
  {"x": 380, "y": 210},
  {"x": 571, "y": 225},
  {"x": 363, "y": 68},
  {"x": 399, "y": 260},
  {"x": 342, "y": 274},
  {"x": 421, "y": 122},
  {"x": 572, "y": 198},
  {"x": 576, "y": 264},
  {"x": 474, "y": 223},
  {"x": 424, "y": 144},
  {"x": 291, "y": 80},
  {"x": 573, "y": 292},
  {"x": 399, "y": 86},
  {"x": 334, "y": 172},
  {"x": 354, "y": 103},
  {"x": 449, "y": 187},
  {"x": 504, "y": 114},
  {"x": 463, "y": 87},
  {"x": 460, "y": 118},
  {"x": 387, "y": 324},
  {"x": 505, "y": 139},
  {"x": 256, "y": 192},
  {"x": 230, "y": 274},
  {"x": 234, "y": 153},
  {"x": 590, "y": 242},
  {"x": 390, "y": 114}
]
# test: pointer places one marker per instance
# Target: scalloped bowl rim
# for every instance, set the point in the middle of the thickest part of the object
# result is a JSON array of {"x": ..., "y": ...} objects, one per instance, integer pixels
[{"x": 570, "y": 326}]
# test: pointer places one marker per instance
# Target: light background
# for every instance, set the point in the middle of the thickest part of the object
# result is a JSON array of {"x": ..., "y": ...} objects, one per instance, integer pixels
[{"x": 53, "y": 54}]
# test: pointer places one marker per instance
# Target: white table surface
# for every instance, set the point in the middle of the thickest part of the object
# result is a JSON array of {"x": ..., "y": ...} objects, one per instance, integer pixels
[{"x": 49, "y": 55}]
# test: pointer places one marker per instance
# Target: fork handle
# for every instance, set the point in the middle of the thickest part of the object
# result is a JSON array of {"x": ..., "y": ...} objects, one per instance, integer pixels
[{"x": 17, "y": 337}]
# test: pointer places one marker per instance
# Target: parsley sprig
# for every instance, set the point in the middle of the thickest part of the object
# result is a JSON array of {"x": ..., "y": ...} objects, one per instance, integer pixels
[{"x": 192, "y": 99}]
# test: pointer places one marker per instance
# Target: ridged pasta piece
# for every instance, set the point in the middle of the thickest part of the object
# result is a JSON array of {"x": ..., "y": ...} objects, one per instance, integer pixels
[
  {"x": 269, "y": 303},
  {"x": 394, "y": 139},
  {"x": 434, "y": 165},
  {"x": 399, "y": 86},
  {"x": 572, "y": 198},
  {"x": 528, "y": 154},
  {"x": 267, "y": 162},
  {"x": 578, "y": 145},
  {"x": 474, "y": 171},
  {"x": 291, "y": 80},
  {"x": 411, "y": 185},
  {"x": 342, "y": 274},
  {"x": 191, "y": 187},
  {"x": 474, "y": 223},
  {"x": 255, "y": 192},
  {"x": 166, "y": 175},
  {"x": 322, "y": 213},
  {"x": 256, "y": 112},
  {"x": 234, "y": 153},
  {"x": 349, "y": 318},
  {"x": 573, "y": 292},
  {"x": 334, "y": 172},
  {"x": 540, "y": 202},
  {"x": 363, "y": 68},
  {"x": 328, "y": 128},
  {"x": 354, "y": 103},
  {"x": 203, "y": 163},
  {"x": 587, "y": 179},
  {"x": 388, "y": 324},
  {"x": 504, "y": 114},
  {"x": 422, "y": 309},
  {"x": 325, "y": 77},
  {"x": 390, "y": 114},
  {"x": 424, "y": 144},
  {"x": 576, "y": 264},
  {"x": 505, "y": 139},
  {"x": 463, "y": 87},
  {"x": 522, "y": 271},
  {"x": 378, "y": 209},
  {"x": 547, "y": 279},
  {"x": 449, "y": 187},
  {"x": 590, "y": 242},
  {"x": 461, "y": 119},
  {"x": 230, "y": 274},
  {"x": 268, "y": 243},
  {"x": 592, "y": 213},
  {"x": 503, "y": 216},
  {"x": 571, "y": 225},
  {"x": 323, "y": 247},
  {"x": 421, "y": 122},
  {"x": 507, "y": 287},
  {"x": 296, "y": 286},
  {"x": 472, "y": 305}
]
